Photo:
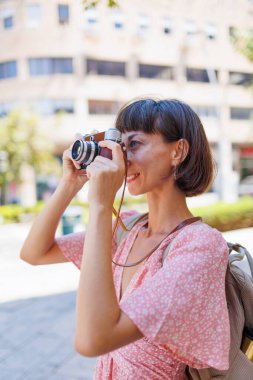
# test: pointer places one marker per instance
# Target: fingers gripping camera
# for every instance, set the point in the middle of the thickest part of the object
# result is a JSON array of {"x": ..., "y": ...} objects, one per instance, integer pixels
[{"x": 85, "y": 150}]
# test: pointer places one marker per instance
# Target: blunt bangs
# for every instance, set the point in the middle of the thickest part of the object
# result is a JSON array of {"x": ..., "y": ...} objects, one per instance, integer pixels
[{"x": 140, "y": 115}]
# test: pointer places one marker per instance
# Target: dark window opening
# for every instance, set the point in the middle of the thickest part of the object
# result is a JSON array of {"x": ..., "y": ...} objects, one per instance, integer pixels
[
  {"x": 237, "y": 113},
  {"x": 8, "y": 69},
  {"x": 206, "y": 111},
  {"x": 103, "y": 107},
  {"x": 237, "y": 78},
  {"x": 154, "y": 71},
  {"x": 106, "y": 68},
  {"x": 50, "y": 66},
  {"x": 8, "y": 22},
  {"x": 63, "y": 13},
  {"x": 200, "y": 75}
]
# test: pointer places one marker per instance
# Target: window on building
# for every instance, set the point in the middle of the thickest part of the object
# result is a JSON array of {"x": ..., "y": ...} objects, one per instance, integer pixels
[
  {"x": 98, "y": 67},
  {"x": 246, "y": 167},
  {"x": 33, "y": 15},
  {"x": 201, "y": 75},
  {"x": 49, "y": 107},
  {"x": 231, "y": 32},
  {"x": 143, "y": 23},
  {"x": 190, "y": 27},
  {"x": 211, "y": 31},
  {"x": 241, "y": 113},
  {"x": 167, "y": 25},
  {"x": 8, "y": 69},
  {"x": 237, "y": 78},
  {"x": 8, "y": 22},
  {"x": 155, "y": 71},
  {"x": 206, "y": 111},
  {"x": 50, "y": 66},
  {"x": 63, "y": 13},
  {"x": 118, "y": 19},
  {"x": 91, "y": 17},
  {"x": 63, "y": 105},
  {"x": 103, "y": 107}
]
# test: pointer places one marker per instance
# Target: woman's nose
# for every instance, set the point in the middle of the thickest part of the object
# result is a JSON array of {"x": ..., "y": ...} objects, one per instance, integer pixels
[{"x": 128, "y": 159}]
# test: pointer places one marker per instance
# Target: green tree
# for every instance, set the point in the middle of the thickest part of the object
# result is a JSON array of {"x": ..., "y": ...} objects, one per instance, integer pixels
[
  {"x": 243, "y": 42},
  {"x": 24, "y": 143},
  {"x": 93, "y": 3}
]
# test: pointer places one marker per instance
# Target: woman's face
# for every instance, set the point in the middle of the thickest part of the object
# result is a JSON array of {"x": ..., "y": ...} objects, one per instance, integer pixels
[{"x": 149, "y": 161}]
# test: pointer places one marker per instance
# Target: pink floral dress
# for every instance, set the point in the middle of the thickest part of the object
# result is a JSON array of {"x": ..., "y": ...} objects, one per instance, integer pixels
[{"x": 179, "y": 306}]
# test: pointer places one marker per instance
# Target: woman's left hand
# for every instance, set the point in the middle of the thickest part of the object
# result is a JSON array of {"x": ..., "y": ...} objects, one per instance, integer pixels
[{"x": 106, "y": 176}]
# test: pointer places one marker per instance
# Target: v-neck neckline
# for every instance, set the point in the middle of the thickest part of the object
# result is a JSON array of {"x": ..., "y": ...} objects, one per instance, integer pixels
[
  {"x": 135, "y": 232},
  {"x": 136, "y": 229}
]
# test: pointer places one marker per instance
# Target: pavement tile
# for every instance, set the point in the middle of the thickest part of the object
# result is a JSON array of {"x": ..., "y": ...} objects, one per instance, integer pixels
[
  {"x": 77, "y": 366},
  {"x": 5, "y": 352},
  {"x": 61, "y": 355},
  {"x": 39, "y": 373},
  {"x": 18, "y": 335},
  {"x": 24, "y": 359},
  {"x": 11, "y": 374}
]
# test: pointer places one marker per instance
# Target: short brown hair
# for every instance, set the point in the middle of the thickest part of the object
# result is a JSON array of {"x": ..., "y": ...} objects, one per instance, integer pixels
[{"x": 174, "y": 120}]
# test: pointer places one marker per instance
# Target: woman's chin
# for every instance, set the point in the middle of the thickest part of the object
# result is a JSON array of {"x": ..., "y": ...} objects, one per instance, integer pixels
[{"x": 134, "y": 191}]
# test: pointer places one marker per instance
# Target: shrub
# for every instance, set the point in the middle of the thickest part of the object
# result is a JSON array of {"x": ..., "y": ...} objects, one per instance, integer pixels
[
  {"x": 226, "y": 216},
  {"x": 223, "y": 216}
]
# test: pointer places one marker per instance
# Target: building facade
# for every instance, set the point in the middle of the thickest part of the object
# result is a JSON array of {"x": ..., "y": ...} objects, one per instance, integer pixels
[{"x": 77, "y": 67}]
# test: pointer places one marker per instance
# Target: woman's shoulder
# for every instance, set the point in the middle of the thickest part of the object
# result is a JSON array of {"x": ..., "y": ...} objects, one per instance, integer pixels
[
  {"x": 202, "y": 231},
  {"x": 200, "y": 238}
]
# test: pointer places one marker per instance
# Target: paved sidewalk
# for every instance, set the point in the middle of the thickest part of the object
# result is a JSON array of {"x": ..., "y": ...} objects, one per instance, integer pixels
[{"x": 37, "y": 307}]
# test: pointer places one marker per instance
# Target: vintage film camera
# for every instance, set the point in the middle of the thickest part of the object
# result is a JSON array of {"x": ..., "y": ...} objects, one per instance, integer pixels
[{"x": 85, "y": 150}]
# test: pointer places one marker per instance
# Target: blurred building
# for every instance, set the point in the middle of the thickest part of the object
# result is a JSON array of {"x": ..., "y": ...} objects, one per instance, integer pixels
[{"x": 78, "y": 67}]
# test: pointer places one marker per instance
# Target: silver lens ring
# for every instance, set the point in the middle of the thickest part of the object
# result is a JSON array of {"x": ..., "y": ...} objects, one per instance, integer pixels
[
  {"x": 77, "y": 150},
  {"x": 94, "y": 149}
]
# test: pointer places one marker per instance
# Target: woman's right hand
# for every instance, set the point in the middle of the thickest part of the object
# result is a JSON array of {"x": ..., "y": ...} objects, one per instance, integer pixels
[{"x": 72, "y": 174}]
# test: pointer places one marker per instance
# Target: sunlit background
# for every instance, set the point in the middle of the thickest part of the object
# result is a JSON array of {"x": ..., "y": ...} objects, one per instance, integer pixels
[{"x": 64, "y": 69}]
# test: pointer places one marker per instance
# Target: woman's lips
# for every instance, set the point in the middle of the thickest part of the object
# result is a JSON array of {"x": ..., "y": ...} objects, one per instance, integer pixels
[{"x": 132, "y": 177}]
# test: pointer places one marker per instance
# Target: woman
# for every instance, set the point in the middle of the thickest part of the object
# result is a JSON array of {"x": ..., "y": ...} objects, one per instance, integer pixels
[{"x": 149, "y": 320}]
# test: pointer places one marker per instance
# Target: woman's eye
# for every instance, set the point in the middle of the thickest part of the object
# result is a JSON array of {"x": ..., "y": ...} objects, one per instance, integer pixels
[{"x": 133, "y": 143}]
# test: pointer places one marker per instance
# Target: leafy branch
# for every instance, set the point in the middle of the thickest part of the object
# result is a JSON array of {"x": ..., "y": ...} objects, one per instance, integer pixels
[
  {"x": 93, "y": 3},
  {"x": 243, "y": 42}
]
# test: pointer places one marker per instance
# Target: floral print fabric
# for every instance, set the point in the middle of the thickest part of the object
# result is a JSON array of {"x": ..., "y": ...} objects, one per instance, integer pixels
[{"x": 179, "y": 306}]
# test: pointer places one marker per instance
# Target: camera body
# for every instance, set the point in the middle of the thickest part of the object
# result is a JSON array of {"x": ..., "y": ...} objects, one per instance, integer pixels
[{"x": 85, "y": 150}]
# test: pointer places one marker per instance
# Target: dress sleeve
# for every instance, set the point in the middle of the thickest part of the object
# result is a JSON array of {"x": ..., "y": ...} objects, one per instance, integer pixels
[
  {"x": 183, "y": 306},
  {"x": 71, "y": 245}
]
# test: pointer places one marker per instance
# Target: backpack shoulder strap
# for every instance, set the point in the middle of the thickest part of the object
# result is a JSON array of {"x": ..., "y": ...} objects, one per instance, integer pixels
[
  {"x": 129, "y": 223},
  {"x": 241, "y": 252}
]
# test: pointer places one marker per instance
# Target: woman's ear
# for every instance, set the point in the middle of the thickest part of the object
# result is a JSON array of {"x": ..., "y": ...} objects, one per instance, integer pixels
[{"x": 180, "y": 151}]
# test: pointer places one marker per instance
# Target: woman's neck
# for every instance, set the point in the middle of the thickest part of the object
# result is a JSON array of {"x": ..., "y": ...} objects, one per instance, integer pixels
[{"x": 165, "y": 213}]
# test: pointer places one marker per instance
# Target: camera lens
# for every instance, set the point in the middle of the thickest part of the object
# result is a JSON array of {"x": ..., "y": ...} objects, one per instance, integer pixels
[
  {"x": 77, "y": 150},
  {"x": 85, "y": 152}
]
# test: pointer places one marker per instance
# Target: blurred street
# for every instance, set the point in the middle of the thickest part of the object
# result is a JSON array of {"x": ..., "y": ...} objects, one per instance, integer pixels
[{"x": 37, "y": 311}]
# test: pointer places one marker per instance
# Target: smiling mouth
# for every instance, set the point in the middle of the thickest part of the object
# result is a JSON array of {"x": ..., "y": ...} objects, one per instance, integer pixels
[{"x": 131, "y": 178}]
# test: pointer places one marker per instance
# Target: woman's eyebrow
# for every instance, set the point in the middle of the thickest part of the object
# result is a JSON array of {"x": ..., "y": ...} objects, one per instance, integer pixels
[{"x": 130, "y": 137}]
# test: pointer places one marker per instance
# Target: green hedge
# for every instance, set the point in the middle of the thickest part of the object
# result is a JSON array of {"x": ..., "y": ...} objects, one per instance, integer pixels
[
  {"x": 17, "y": 213},
  {"x": 223, "y": 216}
]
